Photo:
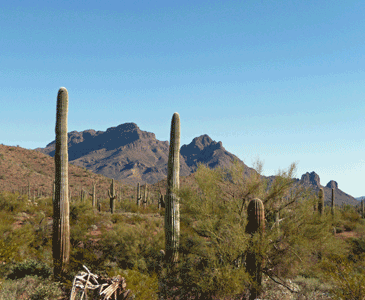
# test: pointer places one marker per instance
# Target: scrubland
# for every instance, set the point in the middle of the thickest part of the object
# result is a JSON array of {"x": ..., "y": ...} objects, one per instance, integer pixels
[{"x": 303, "y": 254}]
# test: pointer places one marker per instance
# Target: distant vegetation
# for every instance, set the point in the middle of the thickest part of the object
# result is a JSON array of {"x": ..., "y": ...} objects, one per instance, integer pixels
[{"x": 301, "y": 253}]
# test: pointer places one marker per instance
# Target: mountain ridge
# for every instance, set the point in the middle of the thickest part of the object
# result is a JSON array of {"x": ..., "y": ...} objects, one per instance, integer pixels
[{"x": 130, "y": 155}]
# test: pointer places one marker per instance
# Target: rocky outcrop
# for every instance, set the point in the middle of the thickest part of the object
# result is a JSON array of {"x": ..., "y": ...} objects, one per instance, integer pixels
[
  {"x": 311, "y": 179},
  {"x": 332, "y": 184}
]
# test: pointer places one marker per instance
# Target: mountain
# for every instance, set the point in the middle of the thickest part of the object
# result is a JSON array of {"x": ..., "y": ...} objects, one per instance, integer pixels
[
  {"x": 312, "y": 180},
  {"x": 130, "y": 155}
]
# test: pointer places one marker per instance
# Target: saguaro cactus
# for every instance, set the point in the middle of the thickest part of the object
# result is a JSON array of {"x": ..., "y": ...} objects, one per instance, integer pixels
[
  {"x": 145, "y": 200},
  {"x": 61, "y": 209},
  {"x": 29, "y": 191},
  {"x": 277, "y": 221},
  {"x": 138, "y": 194},
  {"x": 147, "y": 194},
  {"x": 83, "y": 194},
  {"x": 362, "y": 209},
  {"x": 254, "y": 261},
  {"x": 93, "y": 194},
  {"x": 333, "y": 202},
  {"x": 172, "y": 211},
  {"x": 161, "y": 202},
  {"x": 112, "y": 195},
  {"x": 321, "y": 201}
]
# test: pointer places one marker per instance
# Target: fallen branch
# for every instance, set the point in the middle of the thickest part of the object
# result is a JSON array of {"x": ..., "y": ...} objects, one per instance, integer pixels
[{"x": 115, "y": 286}]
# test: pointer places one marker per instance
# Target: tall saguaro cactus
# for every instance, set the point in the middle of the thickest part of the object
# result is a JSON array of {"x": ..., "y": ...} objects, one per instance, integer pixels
[
  {"x": 138, "y": 194},
  {"x": 161, "y": 202},
  {"x": 321, "y": 201},
  {"x": 93, "y": 194},
  {"x": 28, "y": 190},
  {"x": 333, "y": 202},
  {"x": 82, "y": 194},
  {"x": 112, "y": 195},
  {"x": 172, "y": 210},
  {"x": 145, "y": 196},
  {"x": 254, "y": 261},
  {"x": 61, "y": 209}
]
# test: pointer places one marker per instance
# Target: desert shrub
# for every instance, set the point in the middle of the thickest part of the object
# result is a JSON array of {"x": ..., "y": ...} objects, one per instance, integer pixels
[
  {"x": 8, "y": 249},
  {"x": 214, "y": 244},
  {"x": 348, "y": 219},
  {"x": 78, "y": 234},
  {"x": 46, "y": 291},
  {"x": 142, "y": 286},
  {"x": 79, "y": 210},
  {"x": 357, "y": 246},
  {"x": 116, "y": 218},
  {"x": 12, "y": 202},
  {"x": 132, "y": 246},
  {"x": 131, "y": 206},
  {"x": 32, "y": 288},
  {"x": 85, "y": 255},
  {"x": 29, "y": 267},
  {"x": 45, "y": 205},
  {"x": 347, "y": 278}
]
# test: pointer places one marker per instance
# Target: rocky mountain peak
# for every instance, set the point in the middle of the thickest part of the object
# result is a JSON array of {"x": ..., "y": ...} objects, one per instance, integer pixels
[
  {"x": 332, "y": 184},
  {"x": 311, "y": 179},
  {"x": 130, "y": 132},
  {"x": 201, "y": 141}
]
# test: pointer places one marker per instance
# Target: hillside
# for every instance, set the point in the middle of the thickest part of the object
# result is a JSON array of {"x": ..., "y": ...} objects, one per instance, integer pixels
[{"x": 18, "y": 166}]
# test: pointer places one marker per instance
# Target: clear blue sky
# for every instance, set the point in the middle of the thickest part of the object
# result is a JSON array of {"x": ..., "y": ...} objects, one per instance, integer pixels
[{"x": 282, "y": 81}]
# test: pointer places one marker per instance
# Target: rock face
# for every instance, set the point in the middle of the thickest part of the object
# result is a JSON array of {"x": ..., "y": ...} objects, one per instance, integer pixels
[
  {"x": 311, "y": 179},
  {"x": 131, "y": 155},
  {"x": 332, "y": 184}
]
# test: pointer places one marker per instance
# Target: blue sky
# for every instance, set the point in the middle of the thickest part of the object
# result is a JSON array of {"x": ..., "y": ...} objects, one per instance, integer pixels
[{"x": 281, "y": 81}]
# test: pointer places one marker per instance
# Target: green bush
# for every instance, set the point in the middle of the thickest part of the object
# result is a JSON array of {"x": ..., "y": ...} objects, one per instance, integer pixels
[
  {"x": 8, "y": 249},
  {"x": 132, "y": 246},
  {"x": 12, "y": 202},
  {"x": 46, "y": 291},
  {"x": 357, "y": 245},
  {"x": 346, "y": 277},
  {"x": 32, "y": 288},
  {"x": 29, "y": 267},
  {"x": 142, "y": 286}
]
